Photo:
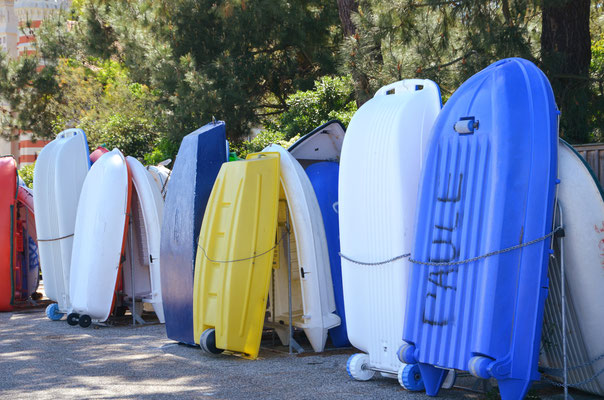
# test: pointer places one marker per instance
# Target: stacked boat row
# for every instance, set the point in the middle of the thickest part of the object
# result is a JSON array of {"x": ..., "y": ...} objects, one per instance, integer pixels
[
  {"x": 99, "y": 230},
  {"x": 219, "y": 252},
  {"x": 421, "y": 235},
  {"x": 445, "y": 226}
]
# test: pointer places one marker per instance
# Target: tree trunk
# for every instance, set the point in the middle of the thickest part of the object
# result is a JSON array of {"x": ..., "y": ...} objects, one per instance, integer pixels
[
  {"x": 345, "y": 9},
  {"x": 566, "y": 55}
]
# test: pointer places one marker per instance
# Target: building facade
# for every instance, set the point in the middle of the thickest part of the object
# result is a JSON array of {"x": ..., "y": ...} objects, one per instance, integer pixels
[{"x": 19, "y": 21}]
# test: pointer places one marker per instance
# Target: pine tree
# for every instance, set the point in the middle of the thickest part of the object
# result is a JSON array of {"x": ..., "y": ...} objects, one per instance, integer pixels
[{"x": 448, "y": 41}]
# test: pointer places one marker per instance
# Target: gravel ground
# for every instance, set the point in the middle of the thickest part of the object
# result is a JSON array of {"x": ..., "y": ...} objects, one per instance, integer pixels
[{"x": 42, "y": 359}]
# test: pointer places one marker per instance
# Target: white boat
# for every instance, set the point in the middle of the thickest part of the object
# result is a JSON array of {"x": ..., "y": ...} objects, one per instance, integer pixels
[
  {"x": 59, "y": 174},
  {"x": 100, "y": 235},
  {"x": 380, "y": 167},
  {"x": 581, "y": 202},
  {"x": 310, "y": 259},
  {"x": 161, "y": 175},
  {"x": 322, "y": 144},
  {"x": 142, "y": 247}
]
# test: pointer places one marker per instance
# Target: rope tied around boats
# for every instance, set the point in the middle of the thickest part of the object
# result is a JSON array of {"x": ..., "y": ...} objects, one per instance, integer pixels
[
  {"x": 452, "y": 263},
  {"x": 246, "y": 258},
  {"x": 54, "y": 240}
]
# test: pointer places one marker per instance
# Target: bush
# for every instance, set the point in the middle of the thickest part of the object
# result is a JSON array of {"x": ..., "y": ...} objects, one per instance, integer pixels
[
  {"x": 164, "y": 149},
  {"x": 263, "y": 139},
  {"x": 26, "y": 173},
  {"x": 332, "y": 98}
]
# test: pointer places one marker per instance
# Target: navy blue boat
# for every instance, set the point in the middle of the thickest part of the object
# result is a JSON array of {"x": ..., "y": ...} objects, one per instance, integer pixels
[{"x": 199, "y": 158}]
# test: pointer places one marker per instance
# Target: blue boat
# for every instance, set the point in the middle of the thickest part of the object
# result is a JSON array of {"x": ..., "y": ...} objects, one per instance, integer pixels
[
  {"x": 324, "y": 179},
  {"x": 488, "y": 185},
  {"x": 198, "y": 161}
]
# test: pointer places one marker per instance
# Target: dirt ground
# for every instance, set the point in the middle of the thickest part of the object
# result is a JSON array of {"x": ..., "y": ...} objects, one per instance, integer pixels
[{"x": 42, "y": 359}]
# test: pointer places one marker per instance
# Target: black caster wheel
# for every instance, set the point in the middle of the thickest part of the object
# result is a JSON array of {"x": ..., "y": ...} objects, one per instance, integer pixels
[
  {"x": 73, "y": 318},
  {"x": 85, "y": 321},
  {"x": 36, "y": 296},
  {"x": 208, "y": 342}
]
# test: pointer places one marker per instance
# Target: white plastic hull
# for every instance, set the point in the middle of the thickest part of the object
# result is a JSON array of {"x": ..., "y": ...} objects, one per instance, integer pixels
[
  {"x": 142, "y": 249},
  {"x": 59, "y": 174},
  {"x": 380, "y": 169},
  {"x": 582, "y": 208},
  {"x": 100, "y": 234},
  {"x": 161, "y": 176},
  {"x": 311, "y": 253}
]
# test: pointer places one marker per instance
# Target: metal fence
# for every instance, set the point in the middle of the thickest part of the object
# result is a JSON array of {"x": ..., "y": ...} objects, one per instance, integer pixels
[{"x": 594, "y": 155}]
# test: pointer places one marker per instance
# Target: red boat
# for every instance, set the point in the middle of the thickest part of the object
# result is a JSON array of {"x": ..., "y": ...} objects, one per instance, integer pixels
[{"x": 19, "y": 266}]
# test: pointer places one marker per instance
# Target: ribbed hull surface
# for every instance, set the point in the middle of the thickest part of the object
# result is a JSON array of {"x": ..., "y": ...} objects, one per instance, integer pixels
[
  {"x": 488, "y": 184},
  {"x": 379, "y": 175}
]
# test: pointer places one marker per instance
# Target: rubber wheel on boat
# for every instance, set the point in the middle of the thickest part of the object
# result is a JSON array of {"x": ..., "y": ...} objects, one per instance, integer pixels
[
  {"x": 358, "y": 367},
  {"x": 410, "y": 378},
  {"x": 406, "y": 354},
  {"x": 449, "y": 380},
  {"x": 478, "y": 366},
  {"x": 85, "y": 321},
  {"x": 207, "y": 341},
  {"x": 73, "y": 318},
  {"x": 53, "y": 313}
]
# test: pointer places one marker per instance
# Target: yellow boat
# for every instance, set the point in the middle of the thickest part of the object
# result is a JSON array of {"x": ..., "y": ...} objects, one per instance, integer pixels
[{"x": 235, "y": 256}]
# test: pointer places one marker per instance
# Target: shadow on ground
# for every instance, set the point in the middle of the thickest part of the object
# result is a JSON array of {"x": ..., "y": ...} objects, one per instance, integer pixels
[{"x": 44, "y": 359}]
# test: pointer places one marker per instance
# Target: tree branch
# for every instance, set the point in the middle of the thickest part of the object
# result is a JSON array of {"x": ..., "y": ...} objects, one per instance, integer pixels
[
  {"x": 435, "y": 3},
  {"x": 505, "y": 8},
  {"x": 458, "y": 59}
]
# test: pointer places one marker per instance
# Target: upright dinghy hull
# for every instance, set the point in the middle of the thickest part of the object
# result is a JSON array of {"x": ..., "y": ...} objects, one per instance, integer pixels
[
  {"x": 145, "y": 237},
  {"x": 59, "y": 174},
  {"x": 380, "y": 168},
  {"x": 581, "y": 203},
  {"x": 319, "y": 153},
  {"x": 199, "y": 159},
  {"x": 100, "y": 236},
  {"x": 488, "y": 184},
  {"x": 8, "y": 217},
  {"x": 234, "y": 263},
  {"x": 310, "y": 250}
]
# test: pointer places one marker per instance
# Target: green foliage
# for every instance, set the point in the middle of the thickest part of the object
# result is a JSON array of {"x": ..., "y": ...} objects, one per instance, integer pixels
[
  {"x": 596, "y": 102},
  {"x": 164, "y": 149},
  {"x": 255, "y": 50},
  {"x": 140, "y": 75},
  {"x": 26, "y": 173},
  {"x": 331, "y": 98},
  {"x": 597, "y": 58},
  {"x": 182, "y": 63},
  {"x": 132, "y": 134},
  {"x": 29, "y": 94},
  {"x": 259, "y": 142},
  {"x": 206, "y": 59},
  {"x": 443, "y": 41},
  {"x": 448, "y": 41}
]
